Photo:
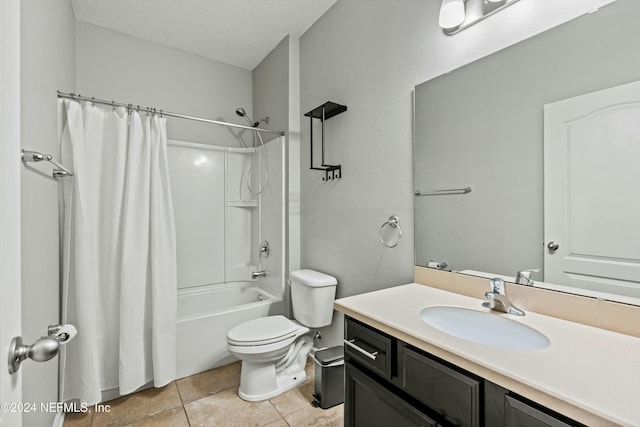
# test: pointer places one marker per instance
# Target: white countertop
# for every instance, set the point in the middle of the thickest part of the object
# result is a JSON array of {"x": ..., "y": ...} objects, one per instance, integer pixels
[{"x": 595, "y": 370}]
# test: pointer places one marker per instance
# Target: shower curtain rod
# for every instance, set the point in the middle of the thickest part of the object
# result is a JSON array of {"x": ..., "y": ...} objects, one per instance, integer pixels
[{"x": 162, "y": 112}]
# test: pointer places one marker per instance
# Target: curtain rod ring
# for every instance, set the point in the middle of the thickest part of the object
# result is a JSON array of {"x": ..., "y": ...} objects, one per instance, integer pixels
[
  {"x": 113, "y": 105},
  {"x": 93, "y": 101}
]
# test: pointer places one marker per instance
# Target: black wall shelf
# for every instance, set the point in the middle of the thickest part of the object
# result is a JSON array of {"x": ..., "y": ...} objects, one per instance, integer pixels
[{"x": 324, "y": 112}]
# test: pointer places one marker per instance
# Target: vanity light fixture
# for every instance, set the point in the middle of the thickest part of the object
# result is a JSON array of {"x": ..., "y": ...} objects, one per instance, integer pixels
[
  {"x": 457, "y": 15},
  {"x": 452, "y": 14}
]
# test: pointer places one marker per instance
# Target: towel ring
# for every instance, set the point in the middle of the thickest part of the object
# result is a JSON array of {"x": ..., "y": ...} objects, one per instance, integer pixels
[{"x": 392, "y": 222}]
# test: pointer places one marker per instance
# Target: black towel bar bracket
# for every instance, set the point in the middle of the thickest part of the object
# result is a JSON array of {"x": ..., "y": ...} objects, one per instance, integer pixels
[{"x": 324, "y": 112}]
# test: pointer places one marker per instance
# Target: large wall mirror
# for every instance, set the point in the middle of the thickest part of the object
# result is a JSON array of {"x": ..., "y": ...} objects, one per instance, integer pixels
[{"x": 483, "y": 126}]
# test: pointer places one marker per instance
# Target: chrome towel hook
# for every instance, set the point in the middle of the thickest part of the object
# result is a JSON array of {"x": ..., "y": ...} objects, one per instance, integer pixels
[{"x": 388, "y": 230}]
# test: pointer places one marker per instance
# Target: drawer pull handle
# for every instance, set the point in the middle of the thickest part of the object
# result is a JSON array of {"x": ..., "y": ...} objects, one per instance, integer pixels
[{"x": 350, "y": 343}]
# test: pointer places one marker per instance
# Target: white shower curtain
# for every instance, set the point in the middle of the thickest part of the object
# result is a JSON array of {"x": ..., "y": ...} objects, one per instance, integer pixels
[{"x": 119, "y": 252}]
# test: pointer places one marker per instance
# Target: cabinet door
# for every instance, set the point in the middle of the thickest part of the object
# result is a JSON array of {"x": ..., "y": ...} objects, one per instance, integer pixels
[
  {"x": 370, "y": 404},
  {"x": 520, "y": 414},
  {"x": 448, "y": 392}
]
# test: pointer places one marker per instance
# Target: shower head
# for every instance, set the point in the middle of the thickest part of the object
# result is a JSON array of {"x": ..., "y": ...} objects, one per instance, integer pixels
[
  {"x": 265, "y": 120},
  {"x": 242, "y": 113}
]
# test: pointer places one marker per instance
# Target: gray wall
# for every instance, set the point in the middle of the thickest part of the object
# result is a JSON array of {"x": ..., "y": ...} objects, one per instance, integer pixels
[
  {"x": 270, "y": 98},
  {"x": 293, "y": 140},
  {"x": 114, "y": 66},
  {"x": 482, "y": 126},
  {"x": 368, "y": 55},
  {"x": 47, "y": 62},
  {"x": 276, "y": 94},
  {"x": 271, "y": 88}
]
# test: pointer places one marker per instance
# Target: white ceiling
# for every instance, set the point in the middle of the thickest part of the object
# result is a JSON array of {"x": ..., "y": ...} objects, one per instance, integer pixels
[{"x": 237, "y": 32}]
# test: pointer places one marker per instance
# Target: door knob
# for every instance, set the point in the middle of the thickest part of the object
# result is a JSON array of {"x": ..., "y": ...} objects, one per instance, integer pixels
[
  {"x": 553, "y": 246},
  {"x": 42, "y": 350},
  {"x": 45, "y": 348}
]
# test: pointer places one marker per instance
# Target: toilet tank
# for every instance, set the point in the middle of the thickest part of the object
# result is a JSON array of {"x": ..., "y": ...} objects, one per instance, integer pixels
[{"x": 312, "y": 296}]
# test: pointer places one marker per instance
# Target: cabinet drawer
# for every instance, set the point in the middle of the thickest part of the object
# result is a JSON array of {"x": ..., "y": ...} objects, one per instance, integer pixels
[
  {"x": 448, "y": 392},
  {"x": 369, "y": 347}
]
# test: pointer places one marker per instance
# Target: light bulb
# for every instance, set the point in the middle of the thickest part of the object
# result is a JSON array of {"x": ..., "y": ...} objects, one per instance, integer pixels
[{"x": 452, "y": 14}]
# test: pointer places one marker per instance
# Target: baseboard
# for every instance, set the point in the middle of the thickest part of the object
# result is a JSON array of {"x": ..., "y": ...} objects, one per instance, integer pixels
[{"x": 58, "y": 421}]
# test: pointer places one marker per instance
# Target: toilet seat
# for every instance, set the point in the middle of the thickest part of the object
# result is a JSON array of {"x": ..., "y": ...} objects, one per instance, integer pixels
[{"x": 263, "y": 331}]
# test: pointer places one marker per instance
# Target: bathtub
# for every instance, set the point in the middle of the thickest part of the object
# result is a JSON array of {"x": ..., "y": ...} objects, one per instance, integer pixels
[{"x": 205, "y": 315}]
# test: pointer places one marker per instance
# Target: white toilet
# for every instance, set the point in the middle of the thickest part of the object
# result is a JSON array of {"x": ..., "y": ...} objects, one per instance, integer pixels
[{"x": 274, "y": 349}]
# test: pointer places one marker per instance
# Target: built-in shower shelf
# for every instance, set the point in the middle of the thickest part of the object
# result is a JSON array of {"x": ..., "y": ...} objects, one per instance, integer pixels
[{"x": 242, "y": 203}]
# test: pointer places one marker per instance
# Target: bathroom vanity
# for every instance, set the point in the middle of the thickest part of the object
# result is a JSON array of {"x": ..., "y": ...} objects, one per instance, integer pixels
[
  {"x": 402, "y": 371},
  {"x": 391, "y": 383}
]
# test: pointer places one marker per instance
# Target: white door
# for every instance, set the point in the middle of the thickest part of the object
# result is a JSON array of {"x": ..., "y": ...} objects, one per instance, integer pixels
[
  {"x": 592, "y": 191},
  {"x": 10, "y": 300}
]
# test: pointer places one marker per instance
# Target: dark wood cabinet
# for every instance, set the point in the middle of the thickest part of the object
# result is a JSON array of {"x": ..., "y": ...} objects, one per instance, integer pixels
[
  {"x": 521, "y": 414},
  {"x": 372, "y": 404},
  {"x": 452, "y": 394},
  {"x": 390, "y": 383}
]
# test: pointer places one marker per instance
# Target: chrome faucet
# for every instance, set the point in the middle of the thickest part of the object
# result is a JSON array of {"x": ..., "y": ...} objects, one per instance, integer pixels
[
  {"x": 523, "y": 277},
  {"x": 497, "y": 299},
  {"x": 256, "y": 274}
]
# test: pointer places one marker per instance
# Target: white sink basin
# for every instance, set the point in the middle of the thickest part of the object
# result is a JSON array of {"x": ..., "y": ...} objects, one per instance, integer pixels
[{"x": 484, "y": 328}]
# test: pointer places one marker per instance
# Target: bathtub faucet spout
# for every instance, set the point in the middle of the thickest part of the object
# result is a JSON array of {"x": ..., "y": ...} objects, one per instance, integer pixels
[{"x": 257, "y": 274}]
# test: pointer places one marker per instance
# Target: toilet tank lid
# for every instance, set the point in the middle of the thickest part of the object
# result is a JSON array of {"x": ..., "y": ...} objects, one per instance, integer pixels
[{"x": 313, "y": 278}]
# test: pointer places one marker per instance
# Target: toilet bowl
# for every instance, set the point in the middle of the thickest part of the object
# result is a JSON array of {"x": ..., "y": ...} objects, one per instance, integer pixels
[{"x": 274, "y": 349}]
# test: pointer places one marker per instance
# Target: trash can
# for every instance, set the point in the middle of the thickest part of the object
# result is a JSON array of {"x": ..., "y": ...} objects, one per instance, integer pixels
[{"x": 329, "y": 385}]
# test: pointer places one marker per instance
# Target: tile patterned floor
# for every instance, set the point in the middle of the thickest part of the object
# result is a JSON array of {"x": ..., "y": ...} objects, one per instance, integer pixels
[{"x": 210, "y": 399}]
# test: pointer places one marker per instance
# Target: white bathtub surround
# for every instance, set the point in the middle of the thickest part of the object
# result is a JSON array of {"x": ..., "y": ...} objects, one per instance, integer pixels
[
  {"x": 119, "y": 252},
  {"x": 274, "y": 349},
  {"x": 219, "y": 223},
  {"x": 207, "y": 313}
]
